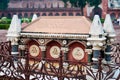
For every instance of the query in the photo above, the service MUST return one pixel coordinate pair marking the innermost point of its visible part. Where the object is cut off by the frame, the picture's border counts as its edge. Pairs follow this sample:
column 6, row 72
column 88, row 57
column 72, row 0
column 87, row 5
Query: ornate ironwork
column 115, row 53
column 26, row 68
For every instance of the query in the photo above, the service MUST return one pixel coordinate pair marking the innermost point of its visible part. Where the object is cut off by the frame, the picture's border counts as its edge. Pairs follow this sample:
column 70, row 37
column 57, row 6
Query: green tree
column 3, row 4
column 65, row 2
column 73, row 3
column 95, row 3
column 81, row 4
column 78, row 3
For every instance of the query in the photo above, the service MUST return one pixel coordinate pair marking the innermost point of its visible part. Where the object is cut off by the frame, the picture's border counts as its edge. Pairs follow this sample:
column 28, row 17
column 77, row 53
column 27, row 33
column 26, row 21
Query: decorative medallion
column 34, row 50
column 42, row 41
column 55, row 51
column 64, row 42
column 78, row 53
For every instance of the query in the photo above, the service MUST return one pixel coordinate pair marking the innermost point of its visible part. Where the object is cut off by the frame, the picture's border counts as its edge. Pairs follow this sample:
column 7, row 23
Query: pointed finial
column 96, row 27
column 34, row 17
column 15, row 27
column 108, row 26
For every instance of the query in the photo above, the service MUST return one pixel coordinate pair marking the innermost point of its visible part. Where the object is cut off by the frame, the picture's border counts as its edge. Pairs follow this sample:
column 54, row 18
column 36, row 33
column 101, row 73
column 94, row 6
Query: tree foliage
column 94, row 2
column 77, row 3
column 65, row 2
column 82, row 3
column 97, row 10
column 3, row 4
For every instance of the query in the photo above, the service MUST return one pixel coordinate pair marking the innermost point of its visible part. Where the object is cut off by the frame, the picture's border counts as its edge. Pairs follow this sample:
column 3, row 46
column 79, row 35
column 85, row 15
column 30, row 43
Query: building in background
column 114, row 8
column 26, row 8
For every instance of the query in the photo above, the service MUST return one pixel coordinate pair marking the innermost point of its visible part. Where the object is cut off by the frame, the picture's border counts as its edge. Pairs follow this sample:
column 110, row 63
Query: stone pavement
column 117, row 29
column 3, row 35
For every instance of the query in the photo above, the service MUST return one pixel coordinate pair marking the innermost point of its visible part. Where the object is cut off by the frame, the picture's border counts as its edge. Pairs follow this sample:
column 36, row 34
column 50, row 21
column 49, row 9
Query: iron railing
column 26, row 68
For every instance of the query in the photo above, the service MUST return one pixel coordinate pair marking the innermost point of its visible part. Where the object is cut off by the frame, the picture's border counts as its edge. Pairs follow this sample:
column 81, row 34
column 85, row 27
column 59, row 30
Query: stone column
column 108, row 53
column 22, row 50
column 110, row 36
column 89, row 52
column 97, row 47
column 43, row 50
column 13, row 35
column 96, row 39
column 97, row 44
column 96, row 52
column 14, row 44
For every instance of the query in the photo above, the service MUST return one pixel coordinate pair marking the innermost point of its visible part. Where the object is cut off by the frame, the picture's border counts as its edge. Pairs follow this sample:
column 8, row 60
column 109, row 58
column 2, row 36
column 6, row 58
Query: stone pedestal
column 108, row 53
column 96, row 55
column 97, row 43
column 14, row 44
column 89, row 52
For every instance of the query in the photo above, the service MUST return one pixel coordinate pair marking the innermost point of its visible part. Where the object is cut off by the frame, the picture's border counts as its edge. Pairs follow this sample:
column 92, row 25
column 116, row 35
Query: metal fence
column 26, row 68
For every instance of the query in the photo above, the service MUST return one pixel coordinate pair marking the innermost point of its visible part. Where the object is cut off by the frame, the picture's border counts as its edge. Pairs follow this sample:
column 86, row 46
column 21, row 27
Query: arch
column 57, row 14
column 14, row 13
column 79, row 42
column 78, row 14
column 49, row 41
column 26, row 15
column 113, row 16
column 72, row 48
column 63, row 14
column 38, row 14
column 29, row 40
column 70, row 14
column 44, row 14
column 50, row 14
column 49, row 46
column 20, row 15
column 53, row 42
column 33, row 44
column 9, row 15
column 31, row 15
column 51, row 5
column 2, row 15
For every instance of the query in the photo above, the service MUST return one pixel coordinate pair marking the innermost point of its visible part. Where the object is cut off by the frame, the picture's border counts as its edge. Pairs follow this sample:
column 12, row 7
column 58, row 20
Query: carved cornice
column 58, row 36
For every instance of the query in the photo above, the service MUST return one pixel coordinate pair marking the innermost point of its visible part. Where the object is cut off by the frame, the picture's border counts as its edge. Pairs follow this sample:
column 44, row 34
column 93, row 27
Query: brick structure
column 26, row 8
column 104, row 7
column 114, row 8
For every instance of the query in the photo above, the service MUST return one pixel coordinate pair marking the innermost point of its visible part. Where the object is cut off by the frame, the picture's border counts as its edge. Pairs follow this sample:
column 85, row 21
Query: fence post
column 27, row 74
column 99, row 66
column 10, row 47
column 60, row 77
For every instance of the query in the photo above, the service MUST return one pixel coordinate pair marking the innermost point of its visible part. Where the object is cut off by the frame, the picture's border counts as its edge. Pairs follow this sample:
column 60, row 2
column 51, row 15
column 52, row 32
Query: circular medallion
column 64, row 42
column 78, row 53
column 42, row 41
column 34, row 50
column 55, row 51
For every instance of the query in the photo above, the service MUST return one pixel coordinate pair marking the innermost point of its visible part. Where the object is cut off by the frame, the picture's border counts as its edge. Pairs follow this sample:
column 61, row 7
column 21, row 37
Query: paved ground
column 3, row 35
column 117, row 29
